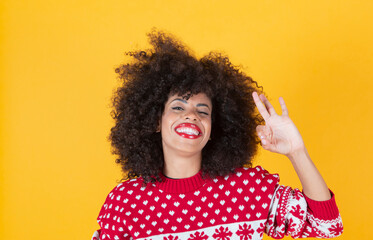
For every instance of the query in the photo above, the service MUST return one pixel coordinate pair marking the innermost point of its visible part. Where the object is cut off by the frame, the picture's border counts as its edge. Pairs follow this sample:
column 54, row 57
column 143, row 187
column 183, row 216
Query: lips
column 188, row 130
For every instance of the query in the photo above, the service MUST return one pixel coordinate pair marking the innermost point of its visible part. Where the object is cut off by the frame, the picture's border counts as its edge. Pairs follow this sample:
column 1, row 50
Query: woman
column 185, row 135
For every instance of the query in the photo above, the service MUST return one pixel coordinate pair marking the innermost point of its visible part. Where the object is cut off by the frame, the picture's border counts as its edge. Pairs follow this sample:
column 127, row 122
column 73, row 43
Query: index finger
column 262, row 109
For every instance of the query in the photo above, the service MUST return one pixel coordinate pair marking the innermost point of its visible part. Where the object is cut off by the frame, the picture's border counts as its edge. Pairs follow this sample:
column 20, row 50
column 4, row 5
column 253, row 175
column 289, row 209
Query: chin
column 187, row 147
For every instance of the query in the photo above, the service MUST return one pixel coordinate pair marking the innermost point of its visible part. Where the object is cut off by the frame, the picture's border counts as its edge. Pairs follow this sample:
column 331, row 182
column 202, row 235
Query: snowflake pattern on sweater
column 243, row 205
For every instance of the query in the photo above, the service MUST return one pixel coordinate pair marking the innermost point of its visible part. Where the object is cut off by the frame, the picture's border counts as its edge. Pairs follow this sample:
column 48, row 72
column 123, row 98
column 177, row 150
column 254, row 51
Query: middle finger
column 268, row 105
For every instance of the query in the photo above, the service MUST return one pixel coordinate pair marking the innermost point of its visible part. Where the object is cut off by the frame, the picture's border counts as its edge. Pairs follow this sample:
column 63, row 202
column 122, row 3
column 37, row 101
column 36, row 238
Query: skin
column 280, row 135
column 183, row 156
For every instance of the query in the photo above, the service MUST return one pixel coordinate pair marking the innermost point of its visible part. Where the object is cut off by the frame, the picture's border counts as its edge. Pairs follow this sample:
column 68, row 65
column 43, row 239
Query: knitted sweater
column 243, row 205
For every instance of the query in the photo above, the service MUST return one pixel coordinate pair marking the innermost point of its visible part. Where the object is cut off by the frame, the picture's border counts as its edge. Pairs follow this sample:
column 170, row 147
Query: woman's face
column 186, row 124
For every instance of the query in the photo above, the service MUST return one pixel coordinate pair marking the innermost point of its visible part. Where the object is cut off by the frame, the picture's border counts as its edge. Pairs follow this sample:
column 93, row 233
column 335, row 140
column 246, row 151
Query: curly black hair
column 170, row 68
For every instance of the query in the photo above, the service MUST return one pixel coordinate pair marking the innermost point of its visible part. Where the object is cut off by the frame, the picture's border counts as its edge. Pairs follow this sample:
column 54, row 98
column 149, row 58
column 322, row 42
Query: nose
column 190, row 115
column 194, row 119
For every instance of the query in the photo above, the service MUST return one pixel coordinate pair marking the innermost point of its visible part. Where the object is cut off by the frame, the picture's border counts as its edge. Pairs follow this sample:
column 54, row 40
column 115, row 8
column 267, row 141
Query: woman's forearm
column 313, row 184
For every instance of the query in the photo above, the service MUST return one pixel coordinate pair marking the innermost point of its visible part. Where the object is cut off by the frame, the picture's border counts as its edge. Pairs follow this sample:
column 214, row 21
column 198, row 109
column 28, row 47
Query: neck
column 178, row 165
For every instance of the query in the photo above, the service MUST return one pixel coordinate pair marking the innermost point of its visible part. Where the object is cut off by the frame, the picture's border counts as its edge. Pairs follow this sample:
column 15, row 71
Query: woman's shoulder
column 127, row 188
column 254, row 176
column 257, row 172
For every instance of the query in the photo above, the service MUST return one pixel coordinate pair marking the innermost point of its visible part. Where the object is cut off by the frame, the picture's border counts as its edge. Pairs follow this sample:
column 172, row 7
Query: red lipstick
column 188, row 130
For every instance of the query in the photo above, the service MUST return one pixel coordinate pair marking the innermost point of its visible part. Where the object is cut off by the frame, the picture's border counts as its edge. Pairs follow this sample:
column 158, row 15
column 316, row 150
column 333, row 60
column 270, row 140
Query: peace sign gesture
column 279, row 134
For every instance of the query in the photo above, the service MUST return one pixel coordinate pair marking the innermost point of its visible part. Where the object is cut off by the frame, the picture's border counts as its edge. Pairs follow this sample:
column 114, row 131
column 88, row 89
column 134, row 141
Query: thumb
column 263, row 132
column 264, row 135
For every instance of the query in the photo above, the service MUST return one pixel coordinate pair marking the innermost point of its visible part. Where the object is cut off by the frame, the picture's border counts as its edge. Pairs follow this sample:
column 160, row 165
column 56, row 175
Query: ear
column 158, row 127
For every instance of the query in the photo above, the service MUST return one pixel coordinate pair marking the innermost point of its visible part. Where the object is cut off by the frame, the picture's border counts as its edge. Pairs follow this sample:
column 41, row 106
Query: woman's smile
column 188, row 130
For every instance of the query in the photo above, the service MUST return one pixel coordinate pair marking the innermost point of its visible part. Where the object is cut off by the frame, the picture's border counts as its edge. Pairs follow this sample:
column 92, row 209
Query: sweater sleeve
column 111, row 219
column 292, row 213
column 96, row 235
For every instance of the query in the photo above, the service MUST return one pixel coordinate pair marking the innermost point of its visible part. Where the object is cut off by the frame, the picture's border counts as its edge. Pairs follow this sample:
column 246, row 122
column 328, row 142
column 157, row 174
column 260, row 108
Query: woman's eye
column 181, row 109
column 205, row 113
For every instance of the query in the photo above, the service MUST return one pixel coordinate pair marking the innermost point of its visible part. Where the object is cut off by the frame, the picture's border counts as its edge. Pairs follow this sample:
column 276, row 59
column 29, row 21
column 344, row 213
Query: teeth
column 189, row 131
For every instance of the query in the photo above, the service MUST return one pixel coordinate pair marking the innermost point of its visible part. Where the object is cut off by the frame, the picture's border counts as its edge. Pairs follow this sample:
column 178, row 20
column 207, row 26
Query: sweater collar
column 181, row 185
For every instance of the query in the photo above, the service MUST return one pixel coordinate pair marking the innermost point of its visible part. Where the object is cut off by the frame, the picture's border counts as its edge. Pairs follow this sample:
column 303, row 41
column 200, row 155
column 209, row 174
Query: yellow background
column 57, row 76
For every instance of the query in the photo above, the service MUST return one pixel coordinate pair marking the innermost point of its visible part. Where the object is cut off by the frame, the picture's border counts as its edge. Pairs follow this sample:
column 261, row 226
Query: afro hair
column 170, row 68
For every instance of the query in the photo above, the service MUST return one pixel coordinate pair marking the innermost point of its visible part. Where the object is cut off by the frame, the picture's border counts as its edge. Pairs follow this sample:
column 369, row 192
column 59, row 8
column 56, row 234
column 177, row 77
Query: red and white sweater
column 243, row 205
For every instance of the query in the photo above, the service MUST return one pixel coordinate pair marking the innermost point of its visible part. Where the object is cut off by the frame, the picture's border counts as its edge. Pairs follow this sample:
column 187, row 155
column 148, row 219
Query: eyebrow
column 184, row 101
